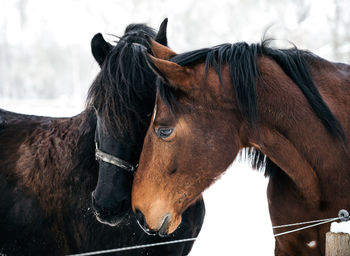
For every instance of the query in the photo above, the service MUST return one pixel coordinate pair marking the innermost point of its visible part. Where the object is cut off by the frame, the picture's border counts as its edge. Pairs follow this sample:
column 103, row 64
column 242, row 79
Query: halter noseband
column 100, row 155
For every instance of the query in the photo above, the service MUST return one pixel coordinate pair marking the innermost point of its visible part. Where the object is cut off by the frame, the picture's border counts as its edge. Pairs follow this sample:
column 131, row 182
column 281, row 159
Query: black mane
column 125, row 82
column 244, row 72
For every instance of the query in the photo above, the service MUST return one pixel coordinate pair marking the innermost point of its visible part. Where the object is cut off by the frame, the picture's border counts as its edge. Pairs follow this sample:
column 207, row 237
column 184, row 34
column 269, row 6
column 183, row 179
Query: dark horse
column 289, row 107
column 48, row 168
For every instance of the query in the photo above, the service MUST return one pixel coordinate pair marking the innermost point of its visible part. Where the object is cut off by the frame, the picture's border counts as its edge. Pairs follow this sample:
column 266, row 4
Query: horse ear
column 178, row 77
column 100, row 48
column 160, row 51
column 161, row 35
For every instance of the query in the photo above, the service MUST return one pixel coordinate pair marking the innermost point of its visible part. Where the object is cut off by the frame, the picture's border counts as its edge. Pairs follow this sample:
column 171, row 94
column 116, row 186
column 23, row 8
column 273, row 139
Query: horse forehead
column 161, row 111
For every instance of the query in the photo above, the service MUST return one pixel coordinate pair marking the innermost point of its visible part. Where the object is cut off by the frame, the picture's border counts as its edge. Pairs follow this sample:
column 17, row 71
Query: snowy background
column 46, row 68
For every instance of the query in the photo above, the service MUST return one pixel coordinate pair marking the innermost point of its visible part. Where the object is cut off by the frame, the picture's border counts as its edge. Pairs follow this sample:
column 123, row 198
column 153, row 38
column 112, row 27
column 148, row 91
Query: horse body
column 40, row 173
column 288, row 105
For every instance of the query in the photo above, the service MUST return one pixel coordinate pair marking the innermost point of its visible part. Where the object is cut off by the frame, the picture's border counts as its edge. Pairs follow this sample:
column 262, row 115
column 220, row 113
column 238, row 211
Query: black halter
column 105, row 157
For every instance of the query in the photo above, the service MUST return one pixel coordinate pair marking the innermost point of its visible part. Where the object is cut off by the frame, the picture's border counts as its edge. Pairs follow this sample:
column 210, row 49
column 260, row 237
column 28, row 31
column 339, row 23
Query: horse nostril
column 141, row 220
column 142, row 223
column 165, row 226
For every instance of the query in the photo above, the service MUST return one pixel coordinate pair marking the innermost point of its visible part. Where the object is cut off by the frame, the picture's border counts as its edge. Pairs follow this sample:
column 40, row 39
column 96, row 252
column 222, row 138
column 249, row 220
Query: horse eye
column 164, row 132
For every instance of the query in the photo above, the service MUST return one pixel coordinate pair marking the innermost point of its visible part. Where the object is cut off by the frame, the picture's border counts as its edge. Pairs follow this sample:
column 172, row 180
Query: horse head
column 123, row 95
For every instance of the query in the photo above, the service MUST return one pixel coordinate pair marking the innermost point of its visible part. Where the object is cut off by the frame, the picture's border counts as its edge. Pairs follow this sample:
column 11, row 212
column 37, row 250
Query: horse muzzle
column 111, row 216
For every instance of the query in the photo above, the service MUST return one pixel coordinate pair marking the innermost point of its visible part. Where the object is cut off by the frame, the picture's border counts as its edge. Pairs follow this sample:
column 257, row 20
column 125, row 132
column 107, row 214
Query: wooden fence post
column 337, row 244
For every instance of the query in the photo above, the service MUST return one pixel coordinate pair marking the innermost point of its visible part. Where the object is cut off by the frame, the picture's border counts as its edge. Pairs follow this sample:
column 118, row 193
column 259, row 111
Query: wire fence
column 343, row 215
column 135, row 247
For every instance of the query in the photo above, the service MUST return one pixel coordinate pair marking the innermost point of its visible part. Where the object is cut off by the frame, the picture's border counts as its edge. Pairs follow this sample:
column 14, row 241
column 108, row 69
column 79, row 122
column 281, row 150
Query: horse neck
column 291, row 134
column 283, row 108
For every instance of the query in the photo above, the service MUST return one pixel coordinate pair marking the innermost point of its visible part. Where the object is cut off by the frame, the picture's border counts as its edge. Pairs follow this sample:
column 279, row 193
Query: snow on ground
column 237, row 220
column 341, row 227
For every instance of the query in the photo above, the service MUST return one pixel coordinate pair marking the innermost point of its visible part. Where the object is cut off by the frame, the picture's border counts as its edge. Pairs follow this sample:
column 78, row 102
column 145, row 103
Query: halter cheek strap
column 100, row 155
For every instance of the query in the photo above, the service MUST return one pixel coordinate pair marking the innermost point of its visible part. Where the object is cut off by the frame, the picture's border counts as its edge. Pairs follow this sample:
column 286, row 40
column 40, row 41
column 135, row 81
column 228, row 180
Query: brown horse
column 288, row 108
